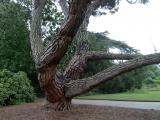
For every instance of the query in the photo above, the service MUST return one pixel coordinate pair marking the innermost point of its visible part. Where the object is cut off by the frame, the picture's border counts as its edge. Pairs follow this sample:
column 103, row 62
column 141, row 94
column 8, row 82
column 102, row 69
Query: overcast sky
column 138, row 25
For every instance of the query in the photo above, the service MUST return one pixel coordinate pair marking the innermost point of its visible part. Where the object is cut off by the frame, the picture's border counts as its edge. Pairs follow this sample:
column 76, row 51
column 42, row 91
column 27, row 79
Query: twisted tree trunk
column 59, row 87
column 49, row 78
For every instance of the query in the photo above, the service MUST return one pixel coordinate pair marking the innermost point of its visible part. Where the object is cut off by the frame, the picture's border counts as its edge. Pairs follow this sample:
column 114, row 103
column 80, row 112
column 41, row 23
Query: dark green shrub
column 15, row 88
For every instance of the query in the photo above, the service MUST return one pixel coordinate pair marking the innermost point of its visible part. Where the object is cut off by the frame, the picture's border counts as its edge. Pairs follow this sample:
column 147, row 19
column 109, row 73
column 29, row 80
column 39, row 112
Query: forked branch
column 58, row 48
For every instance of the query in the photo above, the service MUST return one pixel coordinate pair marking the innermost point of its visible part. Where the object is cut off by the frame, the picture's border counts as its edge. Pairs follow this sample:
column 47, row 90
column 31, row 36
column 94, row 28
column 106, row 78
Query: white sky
column 138, row 25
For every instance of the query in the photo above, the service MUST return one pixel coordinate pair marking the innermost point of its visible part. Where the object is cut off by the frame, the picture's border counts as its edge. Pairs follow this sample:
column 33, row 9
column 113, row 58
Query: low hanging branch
column 101, row 55
column 80, row 86
column 79, row 62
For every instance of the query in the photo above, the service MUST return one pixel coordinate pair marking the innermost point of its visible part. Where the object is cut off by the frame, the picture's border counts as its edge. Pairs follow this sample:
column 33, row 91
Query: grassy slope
column 139, row 96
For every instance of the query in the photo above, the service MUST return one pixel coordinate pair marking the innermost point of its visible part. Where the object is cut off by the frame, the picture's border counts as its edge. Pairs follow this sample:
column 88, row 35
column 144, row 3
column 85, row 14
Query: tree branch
column 35, row 34
column 94, row 55
column 58, row 47
column 79, row 62
column 80, row 86
column 82, row 34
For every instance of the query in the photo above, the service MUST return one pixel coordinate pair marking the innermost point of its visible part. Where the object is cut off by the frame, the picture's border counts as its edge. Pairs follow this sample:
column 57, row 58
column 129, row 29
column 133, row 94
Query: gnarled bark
column 54, row 90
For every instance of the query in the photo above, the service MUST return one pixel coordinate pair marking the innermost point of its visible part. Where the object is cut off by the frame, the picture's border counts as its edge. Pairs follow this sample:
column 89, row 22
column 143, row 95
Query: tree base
column 62, row 105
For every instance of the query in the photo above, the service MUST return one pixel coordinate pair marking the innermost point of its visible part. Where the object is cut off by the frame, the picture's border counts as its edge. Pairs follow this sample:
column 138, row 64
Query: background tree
column 14, row 38
column 60, row 88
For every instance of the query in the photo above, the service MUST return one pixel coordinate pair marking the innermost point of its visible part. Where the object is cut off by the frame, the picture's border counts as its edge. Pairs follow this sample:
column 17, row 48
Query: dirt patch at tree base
column 36, row 111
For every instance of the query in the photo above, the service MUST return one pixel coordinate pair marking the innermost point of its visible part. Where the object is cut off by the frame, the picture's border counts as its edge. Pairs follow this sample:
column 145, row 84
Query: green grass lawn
column 138, row 96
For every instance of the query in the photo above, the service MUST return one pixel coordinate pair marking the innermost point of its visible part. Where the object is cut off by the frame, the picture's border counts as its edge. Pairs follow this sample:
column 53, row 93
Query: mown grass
column 137, row 96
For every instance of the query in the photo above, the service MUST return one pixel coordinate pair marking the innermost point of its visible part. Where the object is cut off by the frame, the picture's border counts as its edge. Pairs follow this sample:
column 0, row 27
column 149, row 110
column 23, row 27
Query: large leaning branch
column 56, row 50
column 77, row 64
column 80, row 86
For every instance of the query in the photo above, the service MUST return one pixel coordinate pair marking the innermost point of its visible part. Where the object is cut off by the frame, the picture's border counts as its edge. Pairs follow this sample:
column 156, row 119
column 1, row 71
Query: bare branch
column 79, row 62
column 80, row 86
column 94, row 55
column 35, row 34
